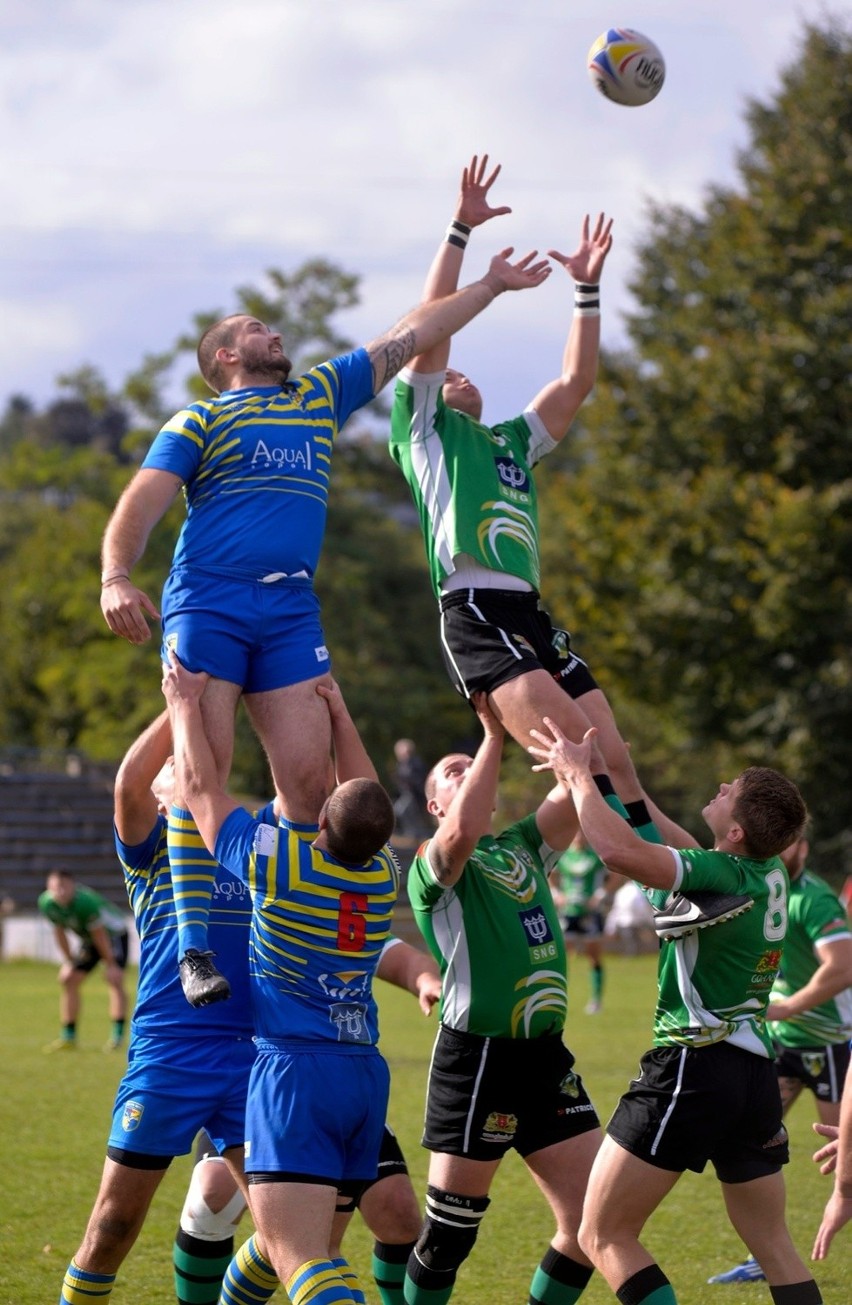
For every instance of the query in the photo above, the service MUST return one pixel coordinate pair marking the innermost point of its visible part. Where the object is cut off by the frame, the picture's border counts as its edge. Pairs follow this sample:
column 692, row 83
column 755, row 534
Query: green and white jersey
column 85, row 910
column 471, row 483
column 581, row 873
column 496, row 936
column 715, row 983
column 815, row 917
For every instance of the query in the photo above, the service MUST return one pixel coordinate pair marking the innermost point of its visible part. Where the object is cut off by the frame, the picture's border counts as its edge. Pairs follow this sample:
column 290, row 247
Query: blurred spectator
column 412, row 818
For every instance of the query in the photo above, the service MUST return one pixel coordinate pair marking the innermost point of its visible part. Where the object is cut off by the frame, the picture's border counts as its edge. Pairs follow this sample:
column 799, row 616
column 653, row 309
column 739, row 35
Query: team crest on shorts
column 814, row 1062
column 569, row 1087
column 499, row 1127
column 132, row 1116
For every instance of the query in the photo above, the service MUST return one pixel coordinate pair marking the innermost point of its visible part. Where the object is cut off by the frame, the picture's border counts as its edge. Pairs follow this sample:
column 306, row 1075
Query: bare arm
column 471, row 210
column 605, row 830
column 833, row 974
column 196, row 773
column 135, row 804
column 352, row 760
column 838, row 1210
column 469, row 814
column 670, row 832
column 62, row 943
column 143, row 503
column 558, row 403
column 557, row 818
column 412, row 969
column 431, row 324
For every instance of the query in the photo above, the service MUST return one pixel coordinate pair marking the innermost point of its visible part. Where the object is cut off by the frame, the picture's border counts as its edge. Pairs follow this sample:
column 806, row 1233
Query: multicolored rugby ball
column 626, row 67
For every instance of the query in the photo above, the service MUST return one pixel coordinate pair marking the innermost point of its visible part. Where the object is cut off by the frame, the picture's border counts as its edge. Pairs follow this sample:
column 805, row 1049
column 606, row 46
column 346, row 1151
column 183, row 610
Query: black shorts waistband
column 519, row 597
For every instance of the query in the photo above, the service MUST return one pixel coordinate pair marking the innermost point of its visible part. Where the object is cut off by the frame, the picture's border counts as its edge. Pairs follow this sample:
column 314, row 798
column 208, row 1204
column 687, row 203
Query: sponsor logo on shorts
column 321, row 653
column 499, row 1127
column 350, row 1020
column 132, row 1116
column 512, row 476
column 539, row 933
column 171, row 641
column 778, row 1139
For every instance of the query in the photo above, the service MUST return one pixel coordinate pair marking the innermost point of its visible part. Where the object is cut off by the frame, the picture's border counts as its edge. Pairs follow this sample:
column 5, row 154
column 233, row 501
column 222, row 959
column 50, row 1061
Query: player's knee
column 391, row 1211
column 214, row 1202
column 450, row 1229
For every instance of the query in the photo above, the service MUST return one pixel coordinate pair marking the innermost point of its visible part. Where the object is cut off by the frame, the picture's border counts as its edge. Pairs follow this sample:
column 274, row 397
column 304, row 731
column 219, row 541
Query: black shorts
column 491, row 636
column 588, row 925
column 88, row 956
column 488, row 1095
column 694, row 1104
column 821, row 1069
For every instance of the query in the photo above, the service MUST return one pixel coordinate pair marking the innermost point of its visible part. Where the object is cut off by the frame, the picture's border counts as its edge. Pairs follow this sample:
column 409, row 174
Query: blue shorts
column 316, row 1113
column 258, row 635
column 161, row 1105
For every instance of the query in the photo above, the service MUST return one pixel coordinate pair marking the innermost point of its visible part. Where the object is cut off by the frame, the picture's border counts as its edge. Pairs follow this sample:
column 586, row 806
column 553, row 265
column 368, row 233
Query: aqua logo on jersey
column 539, row 933
column 512, row 476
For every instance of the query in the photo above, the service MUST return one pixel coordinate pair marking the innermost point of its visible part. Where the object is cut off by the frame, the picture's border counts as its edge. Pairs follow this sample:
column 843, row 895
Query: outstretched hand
column 586, row 263
column 556, row 752
column 472, row 206
column 522, row 275
column 826, row 1156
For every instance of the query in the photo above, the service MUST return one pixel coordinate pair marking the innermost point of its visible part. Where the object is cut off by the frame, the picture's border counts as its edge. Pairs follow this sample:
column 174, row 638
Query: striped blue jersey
column 255, row 465
column 161, row 1007
column 318, row 930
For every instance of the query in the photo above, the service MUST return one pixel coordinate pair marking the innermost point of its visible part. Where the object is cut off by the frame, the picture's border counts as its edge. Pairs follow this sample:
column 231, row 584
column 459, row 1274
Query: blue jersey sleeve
column 237, row 840
column 179, row 446
column 354, row 373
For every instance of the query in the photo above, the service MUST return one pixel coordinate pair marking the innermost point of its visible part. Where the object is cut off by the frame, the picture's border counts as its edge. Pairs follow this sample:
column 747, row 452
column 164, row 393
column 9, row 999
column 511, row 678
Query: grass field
column 56, row 1112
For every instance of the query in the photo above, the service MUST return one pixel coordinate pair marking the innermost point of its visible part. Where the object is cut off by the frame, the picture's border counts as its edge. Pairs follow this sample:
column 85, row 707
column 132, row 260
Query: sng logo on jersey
column 349, row 1018
column 132, row 1116
column 512, row 476
column 539, row 934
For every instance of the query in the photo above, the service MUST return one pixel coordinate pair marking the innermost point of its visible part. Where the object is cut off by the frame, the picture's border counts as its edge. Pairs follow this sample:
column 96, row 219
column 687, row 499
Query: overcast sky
column 158, row 153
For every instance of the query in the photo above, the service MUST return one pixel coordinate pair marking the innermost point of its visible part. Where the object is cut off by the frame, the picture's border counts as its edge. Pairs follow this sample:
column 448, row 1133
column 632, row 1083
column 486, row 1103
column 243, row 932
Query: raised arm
column 558, row 403
column 196, row 773
column 142, row 504
column 351, row 758
column 606, row 831
column 468, row 815
column 135, row 804
column 431, row 324
column 471, row 210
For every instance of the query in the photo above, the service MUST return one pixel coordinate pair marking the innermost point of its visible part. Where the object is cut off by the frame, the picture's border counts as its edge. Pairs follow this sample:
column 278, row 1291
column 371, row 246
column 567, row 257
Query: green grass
column 56, row 1112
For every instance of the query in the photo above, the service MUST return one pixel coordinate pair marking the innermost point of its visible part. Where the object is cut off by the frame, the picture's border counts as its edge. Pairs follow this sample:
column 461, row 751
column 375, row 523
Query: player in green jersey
column 501, row 1077
column 810, row 1006
column 476, row 496
column 708, row 1089
column 101, row 929
column 582, row 887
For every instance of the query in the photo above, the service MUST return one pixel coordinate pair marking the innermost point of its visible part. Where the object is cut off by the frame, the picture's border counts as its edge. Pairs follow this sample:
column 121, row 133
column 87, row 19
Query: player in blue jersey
column 186, row 1069
column 239, row 602
column 708, row 1090
column 321, row 915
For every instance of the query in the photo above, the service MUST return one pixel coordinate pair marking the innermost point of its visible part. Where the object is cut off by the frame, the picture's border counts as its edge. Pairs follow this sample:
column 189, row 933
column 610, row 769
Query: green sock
column 558, row 1280
column 640, row 819
column 388, row 1264
column 118, row 1030
column 597, row 977
column 199, row 1268
column 649, row 1286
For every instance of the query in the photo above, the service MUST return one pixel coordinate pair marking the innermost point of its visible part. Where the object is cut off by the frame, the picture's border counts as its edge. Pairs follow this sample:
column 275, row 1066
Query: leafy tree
column 708, row 497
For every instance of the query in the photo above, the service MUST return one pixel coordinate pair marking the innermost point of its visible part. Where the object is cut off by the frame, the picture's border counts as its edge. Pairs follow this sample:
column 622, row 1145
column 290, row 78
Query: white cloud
column 169, row 150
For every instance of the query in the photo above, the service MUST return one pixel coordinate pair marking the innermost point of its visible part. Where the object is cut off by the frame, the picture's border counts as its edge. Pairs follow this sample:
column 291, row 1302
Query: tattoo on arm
column 389, row 354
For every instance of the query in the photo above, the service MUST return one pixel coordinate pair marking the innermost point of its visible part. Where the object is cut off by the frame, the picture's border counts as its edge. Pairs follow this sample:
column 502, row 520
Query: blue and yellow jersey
column 255, row 465
column 161, row 1007
column 318, row 930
